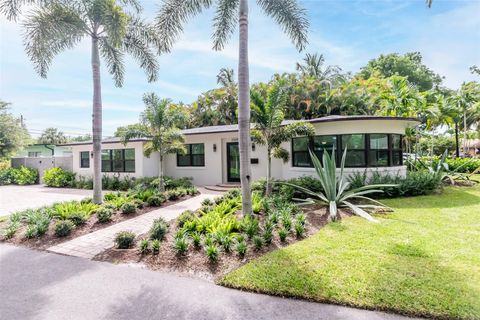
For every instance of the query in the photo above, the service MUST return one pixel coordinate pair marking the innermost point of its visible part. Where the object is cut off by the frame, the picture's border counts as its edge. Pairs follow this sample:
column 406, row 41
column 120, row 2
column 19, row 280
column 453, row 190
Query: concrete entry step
column 229, row 185
column 223, row 187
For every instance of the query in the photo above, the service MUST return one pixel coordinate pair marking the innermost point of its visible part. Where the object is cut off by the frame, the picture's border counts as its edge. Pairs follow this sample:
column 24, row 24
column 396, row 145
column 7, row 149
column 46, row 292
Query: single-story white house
column 373, row 142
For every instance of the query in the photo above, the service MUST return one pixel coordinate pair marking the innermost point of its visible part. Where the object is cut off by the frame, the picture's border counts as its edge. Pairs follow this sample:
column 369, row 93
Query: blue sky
column 348, row 33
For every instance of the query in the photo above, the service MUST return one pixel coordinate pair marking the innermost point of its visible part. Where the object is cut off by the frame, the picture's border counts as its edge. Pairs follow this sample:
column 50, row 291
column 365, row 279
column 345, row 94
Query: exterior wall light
column 214, row 147
column 253, row 146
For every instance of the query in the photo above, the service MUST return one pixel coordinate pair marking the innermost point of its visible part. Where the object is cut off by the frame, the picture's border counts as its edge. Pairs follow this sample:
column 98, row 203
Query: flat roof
column 234, row 127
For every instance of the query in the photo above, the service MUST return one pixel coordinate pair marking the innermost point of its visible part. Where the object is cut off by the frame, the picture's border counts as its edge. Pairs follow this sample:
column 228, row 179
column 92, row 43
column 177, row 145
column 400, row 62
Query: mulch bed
column 195, row 263
column 50, row 239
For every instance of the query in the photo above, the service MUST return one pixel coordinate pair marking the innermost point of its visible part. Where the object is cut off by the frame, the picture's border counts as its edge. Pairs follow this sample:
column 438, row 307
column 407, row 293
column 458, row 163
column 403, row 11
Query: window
column 84, row 159
column 118, row 160
column 364, row 150
column 300, row 154
column 34, row 154
column 355, row 144
column 397, row 153
column 378, row 153
column 193, row 157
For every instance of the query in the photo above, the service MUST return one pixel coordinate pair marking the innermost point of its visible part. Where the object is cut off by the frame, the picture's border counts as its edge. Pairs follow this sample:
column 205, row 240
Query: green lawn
column 423, row 259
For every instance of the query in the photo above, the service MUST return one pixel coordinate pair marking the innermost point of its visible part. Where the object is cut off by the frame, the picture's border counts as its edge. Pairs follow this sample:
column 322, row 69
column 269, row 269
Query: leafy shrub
column 138, row 203
column 144, row 246
column 257, row 202
column 186, row 216
column 6, row 176
column 104, row 214
column 58, row 177
column 286, row 220
column 63, row 228
column 82, row 182
column 65, row 210
column 268, row 236
column 211, row 252
column 181, row 244
column 301, row 218
column 283, row 233
column 172, row 195
column 10, row 230
column 207, row 202
column 227, row 242
column 299, row 230
column 156, row 200
column 196, row 239
column 143, row 195
column 221, row 218
column 159, row 229
column 250, row 226
column 116, row 199
column 209, row 240
column 241, row 248
column 128, row 208
column 258, row 242
column 30, row 232
column 176, row 183
column 24, row 175
column 125, row 239
column 79, row 218
column 233, row 193
column 155, row 246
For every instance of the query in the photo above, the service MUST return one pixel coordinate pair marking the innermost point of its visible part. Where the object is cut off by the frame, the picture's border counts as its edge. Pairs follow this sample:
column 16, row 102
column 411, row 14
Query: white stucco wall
column 140, row 160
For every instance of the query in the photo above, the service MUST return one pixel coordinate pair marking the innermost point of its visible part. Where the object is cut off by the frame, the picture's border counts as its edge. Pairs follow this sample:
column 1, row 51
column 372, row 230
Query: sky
column 347, row 32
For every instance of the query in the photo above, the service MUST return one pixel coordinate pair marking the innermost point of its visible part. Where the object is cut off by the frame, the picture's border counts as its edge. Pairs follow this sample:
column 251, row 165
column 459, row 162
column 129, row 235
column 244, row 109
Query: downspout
column 51, row 149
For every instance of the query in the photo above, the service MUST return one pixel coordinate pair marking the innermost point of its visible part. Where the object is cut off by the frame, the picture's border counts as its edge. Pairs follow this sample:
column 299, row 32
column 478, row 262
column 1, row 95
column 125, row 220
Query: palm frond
column 171, row 17
column 291, row 17
column 281, row 153
column 50, row 30
column 114, row 60
column 224, row 22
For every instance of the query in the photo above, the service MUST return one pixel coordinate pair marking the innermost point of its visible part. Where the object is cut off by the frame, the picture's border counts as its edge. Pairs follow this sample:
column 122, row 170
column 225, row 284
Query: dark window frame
column 190, row 156
column 87, row 159
column 366, row 150
column 111, row 161
column 389, row 150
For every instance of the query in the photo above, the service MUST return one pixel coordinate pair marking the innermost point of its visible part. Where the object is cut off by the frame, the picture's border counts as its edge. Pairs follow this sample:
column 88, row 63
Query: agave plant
column 336, row 193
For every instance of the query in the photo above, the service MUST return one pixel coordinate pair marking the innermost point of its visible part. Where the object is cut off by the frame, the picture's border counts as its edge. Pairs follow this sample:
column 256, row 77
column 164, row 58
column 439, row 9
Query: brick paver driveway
column 14, row 198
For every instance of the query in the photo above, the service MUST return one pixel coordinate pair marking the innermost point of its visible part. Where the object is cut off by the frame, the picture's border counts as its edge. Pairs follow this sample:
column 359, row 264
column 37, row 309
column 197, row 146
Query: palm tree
column 467, row 100
column 55, row 26
column 228, row 95
column 401, row 98
column 313, row 66
column 268, row 115
column 160, row 123
column 52, row 136
column 287, row 13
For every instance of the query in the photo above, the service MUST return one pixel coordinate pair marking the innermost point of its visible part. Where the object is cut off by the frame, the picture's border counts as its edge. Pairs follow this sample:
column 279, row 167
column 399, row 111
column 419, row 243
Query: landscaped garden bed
column 44, row 227
column 219, row 227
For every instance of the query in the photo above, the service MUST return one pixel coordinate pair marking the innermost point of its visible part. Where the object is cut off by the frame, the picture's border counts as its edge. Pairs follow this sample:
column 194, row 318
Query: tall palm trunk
column 457, row 148
column 96, row 123
column 268, row 189
column 244, row 110
column 465, row 151
column 161, row 182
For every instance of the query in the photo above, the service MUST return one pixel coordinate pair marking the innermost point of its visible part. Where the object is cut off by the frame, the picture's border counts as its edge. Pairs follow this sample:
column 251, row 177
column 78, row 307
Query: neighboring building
column 374, row 143
column 38, row 150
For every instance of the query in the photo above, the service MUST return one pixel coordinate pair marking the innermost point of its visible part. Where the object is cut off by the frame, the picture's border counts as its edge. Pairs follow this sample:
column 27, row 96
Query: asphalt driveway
column 15, row 198
column 38, row 285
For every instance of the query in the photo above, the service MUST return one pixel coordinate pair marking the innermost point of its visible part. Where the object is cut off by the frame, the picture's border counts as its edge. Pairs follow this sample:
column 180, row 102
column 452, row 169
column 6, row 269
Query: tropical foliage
column 13, row 134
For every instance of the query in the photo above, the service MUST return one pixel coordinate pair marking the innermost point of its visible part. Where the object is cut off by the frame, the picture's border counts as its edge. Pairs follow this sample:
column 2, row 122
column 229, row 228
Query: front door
column 233, row 162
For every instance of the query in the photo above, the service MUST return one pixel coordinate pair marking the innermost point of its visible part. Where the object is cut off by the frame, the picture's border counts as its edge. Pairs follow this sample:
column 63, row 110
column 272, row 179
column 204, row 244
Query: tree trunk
column 161, row 180
column 244, row 110
column 457, row 147
column 268, row 189
column 465, row 151
column 96, row 124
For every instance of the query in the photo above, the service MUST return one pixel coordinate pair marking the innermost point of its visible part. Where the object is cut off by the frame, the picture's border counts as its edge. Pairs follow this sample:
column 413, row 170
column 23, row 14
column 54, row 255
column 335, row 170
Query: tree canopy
column 52, row 136
column 13, row 133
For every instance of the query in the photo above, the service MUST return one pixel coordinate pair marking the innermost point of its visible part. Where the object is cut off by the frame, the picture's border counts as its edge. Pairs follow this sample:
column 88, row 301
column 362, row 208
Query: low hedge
column 21, row 176
column 58, row 177
column 461, row 165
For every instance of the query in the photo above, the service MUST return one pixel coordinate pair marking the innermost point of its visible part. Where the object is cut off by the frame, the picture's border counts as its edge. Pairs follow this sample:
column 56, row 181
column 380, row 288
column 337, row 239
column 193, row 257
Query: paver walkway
column 89, row 245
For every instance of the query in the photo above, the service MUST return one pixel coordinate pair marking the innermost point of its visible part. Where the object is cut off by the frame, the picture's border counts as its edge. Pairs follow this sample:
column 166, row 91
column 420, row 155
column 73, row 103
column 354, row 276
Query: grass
column 423, row 260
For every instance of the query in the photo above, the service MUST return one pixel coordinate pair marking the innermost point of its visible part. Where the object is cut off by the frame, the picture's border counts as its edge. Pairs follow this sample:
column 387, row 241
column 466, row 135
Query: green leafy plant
column 283, row 233
column 58, row 177
column 268, row 235
column 299, row 230
column 336, row 193
column 30, row 232
column 301, row 219
column 241, row 248
column 128, row 208
column 138, row 203
column 104, row 214
column 67, row 210
column 144, row 246
column 286, row 220
column 24, row 175
column 207, row 202
column 257, row 202
column 125, row 239
column 159, row 229
column 79, row 217
column 227, row 242
column 11, row 229
column 258, row 242
column 250, row 226
column 155, row 246
column 196, row 239
column 211, row 251
column 63, row 228
column 186, row 216
column 181, row 244
column 156, row 200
